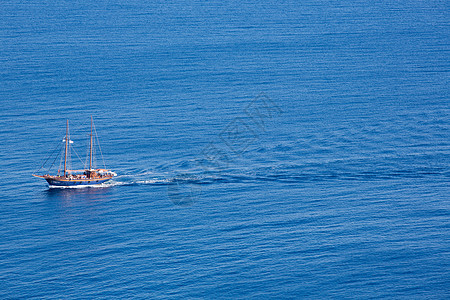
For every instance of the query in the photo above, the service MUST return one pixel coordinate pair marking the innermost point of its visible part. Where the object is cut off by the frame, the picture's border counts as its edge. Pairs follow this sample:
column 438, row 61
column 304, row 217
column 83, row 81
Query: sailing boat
column 74, row 178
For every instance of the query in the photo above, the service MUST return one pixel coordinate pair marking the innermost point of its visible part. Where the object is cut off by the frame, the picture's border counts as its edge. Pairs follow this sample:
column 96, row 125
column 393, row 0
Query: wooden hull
column 56, row 181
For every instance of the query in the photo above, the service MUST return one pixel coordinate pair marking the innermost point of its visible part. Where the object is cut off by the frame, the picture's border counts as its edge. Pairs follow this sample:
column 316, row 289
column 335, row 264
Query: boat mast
column 90, row 148
column 67, row 142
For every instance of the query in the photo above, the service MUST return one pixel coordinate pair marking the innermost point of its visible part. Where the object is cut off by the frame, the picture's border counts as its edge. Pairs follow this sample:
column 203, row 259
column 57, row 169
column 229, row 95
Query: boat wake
column 282, row 174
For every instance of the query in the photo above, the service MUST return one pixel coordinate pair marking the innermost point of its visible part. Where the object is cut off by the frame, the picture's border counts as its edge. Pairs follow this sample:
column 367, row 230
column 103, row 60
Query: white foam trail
column 152, row 181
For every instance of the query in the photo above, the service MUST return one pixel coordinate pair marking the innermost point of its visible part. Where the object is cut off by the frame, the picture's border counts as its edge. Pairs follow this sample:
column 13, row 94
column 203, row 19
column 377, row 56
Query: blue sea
column 264, row 150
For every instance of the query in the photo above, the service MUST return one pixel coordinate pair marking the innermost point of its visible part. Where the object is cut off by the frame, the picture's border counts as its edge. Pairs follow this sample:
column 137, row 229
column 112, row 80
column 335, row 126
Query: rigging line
column 51, row 154
column 55, row 160
column 61, row 161
column 69, row 157
column 100, row 148
column 87, row 157
column 73, row 148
